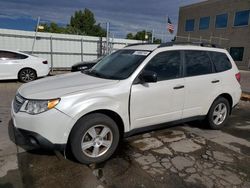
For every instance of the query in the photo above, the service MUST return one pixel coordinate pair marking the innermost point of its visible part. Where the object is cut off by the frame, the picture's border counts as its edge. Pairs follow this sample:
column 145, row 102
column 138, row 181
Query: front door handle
column 215, row 81
column 179, row 87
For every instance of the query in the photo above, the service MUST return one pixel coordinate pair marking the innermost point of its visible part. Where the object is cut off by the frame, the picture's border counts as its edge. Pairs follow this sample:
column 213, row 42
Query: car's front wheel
column 218, row 113
column 94, row 138
column 27, row 75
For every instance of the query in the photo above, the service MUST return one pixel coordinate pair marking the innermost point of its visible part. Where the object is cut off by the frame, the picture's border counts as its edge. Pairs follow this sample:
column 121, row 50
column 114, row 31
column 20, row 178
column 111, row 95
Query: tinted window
column 221, row 61
column 197, row 63
column 221, row 21
column 166, row 65
column 241, row 18
column 204, row 23
column 5, row 55
column 189, row 25
column 237, row 53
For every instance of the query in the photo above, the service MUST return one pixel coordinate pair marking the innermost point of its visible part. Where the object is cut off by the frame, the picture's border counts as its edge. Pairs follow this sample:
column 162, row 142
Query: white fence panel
column 61, row 50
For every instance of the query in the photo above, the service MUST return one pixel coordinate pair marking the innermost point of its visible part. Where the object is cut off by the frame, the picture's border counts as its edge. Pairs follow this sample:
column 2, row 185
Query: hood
column 57, row 86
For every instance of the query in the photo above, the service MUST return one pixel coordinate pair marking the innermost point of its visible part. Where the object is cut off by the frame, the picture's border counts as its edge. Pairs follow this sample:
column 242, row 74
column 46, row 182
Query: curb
column 245, row 96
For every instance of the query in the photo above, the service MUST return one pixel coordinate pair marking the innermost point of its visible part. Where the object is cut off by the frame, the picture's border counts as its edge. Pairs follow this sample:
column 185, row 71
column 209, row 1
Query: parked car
column 81, row 66
column 18, row 65
column 138, row 88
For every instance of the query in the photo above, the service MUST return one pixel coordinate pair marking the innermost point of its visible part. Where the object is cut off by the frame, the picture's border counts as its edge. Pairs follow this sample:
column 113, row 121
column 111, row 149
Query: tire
column 27, row 75
column 218, row 113
column 91, row 132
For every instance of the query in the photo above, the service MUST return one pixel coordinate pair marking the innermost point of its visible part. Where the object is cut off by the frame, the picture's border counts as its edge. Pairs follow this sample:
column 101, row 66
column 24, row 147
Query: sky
column 125, row 16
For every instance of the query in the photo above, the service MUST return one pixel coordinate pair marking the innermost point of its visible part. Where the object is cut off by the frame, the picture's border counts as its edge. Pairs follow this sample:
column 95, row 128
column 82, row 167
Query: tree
column 143, row 35
column 81, row 23
column 130, row 36
column 85, row 22
column 53, row 28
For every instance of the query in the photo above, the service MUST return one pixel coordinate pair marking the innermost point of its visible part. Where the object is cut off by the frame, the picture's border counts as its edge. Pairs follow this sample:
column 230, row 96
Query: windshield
column 119, row 65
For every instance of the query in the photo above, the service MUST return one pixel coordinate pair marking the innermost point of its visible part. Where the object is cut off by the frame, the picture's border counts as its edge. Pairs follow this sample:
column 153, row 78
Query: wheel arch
column 26, row 68
column 113, row 115
column 228, row 97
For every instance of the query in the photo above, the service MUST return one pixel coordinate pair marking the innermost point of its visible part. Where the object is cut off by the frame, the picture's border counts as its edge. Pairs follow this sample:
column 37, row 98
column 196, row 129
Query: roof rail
column 188, row 43
column 135, row 44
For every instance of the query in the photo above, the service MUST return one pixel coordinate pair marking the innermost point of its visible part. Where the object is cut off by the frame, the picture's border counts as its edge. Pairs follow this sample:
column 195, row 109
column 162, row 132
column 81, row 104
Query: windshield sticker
column 143, row 53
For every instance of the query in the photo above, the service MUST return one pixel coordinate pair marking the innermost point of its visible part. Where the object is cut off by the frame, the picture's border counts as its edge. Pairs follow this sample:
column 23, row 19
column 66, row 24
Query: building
column 222, row 22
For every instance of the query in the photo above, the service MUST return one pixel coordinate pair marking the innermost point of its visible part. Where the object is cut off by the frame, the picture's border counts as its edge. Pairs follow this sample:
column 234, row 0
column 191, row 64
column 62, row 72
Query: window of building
column 189, row 25
column 237, row 53
column 241, row 18
column 220, row 61
column 221, row 21
column 204, row 23
column 167, row 65
column 197, row 63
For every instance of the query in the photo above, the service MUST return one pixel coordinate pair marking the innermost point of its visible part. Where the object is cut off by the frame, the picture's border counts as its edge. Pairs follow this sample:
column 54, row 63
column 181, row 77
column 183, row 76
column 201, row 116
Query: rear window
column 221, row 61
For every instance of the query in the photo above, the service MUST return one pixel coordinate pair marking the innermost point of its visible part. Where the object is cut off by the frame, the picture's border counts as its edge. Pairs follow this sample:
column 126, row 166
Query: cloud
column 125, row 16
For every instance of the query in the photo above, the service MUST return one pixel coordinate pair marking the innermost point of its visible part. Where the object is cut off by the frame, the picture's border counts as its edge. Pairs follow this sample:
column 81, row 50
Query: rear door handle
column 215, row 81
column 179, row 87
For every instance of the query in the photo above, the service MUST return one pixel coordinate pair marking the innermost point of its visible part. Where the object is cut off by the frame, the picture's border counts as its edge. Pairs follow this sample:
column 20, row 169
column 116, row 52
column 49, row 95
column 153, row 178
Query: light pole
column 33, row 45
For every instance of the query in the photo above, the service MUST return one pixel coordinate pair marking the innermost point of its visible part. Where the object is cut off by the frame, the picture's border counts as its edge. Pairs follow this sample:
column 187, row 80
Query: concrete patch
column 180, row 162
column 147, row 143
column 146, row 159
column 185, row 146
column 196, row 178
column 221, row 138
column 227, row 176
column 164, row 151
column 172, row 136
column 222, row 157
column 7, row 163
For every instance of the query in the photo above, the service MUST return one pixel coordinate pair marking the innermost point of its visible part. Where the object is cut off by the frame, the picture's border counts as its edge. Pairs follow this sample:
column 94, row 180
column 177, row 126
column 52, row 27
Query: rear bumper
column 38, row 141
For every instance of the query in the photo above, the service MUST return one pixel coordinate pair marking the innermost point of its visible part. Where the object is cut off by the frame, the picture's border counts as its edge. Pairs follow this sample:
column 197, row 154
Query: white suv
column 137, row 88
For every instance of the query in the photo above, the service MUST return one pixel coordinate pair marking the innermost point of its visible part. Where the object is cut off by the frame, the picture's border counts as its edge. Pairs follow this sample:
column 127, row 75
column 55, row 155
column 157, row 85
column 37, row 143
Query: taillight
column 45, row 62
column 237, row 76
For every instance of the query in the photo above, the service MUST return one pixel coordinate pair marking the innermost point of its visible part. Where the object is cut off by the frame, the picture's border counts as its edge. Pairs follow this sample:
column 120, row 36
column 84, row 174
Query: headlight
column 39, row 106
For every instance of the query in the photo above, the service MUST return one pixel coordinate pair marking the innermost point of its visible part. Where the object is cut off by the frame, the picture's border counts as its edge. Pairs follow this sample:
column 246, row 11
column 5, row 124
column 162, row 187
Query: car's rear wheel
column 27, row 75
column 94, row 138
column 218, row 113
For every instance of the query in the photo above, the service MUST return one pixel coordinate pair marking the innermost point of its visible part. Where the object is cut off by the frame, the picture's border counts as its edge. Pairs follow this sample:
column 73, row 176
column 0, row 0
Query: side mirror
column 148, row 76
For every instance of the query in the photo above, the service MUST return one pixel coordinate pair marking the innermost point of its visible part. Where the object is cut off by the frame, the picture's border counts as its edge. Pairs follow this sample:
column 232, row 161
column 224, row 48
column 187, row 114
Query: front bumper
column 36, row 140
column 49, row 129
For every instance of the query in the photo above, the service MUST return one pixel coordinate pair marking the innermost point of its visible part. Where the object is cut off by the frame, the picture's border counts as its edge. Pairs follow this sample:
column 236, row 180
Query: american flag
column 170, row 26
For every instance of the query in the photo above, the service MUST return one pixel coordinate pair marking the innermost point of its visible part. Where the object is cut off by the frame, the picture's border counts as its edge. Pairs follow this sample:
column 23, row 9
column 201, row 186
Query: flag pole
column 166, row 28
column 33, row 45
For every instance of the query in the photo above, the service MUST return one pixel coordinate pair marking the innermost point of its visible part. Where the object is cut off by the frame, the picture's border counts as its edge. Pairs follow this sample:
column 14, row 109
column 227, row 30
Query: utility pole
column 33, row 45
column 107, row 38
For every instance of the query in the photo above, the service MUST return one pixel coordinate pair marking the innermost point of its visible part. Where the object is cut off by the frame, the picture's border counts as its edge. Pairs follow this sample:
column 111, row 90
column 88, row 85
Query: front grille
column 18, row 102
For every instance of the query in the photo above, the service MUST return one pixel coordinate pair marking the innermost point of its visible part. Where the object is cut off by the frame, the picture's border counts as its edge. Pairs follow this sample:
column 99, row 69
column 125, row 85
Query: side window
column 221, row 61
column 167, row 65
column 197, row 63
column 5, row 55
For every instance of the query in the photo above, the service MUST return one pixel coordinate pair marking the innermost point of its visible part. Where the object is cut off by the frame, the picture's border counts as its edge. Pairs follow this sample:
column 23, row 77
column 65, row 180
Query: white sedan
column 25, row 67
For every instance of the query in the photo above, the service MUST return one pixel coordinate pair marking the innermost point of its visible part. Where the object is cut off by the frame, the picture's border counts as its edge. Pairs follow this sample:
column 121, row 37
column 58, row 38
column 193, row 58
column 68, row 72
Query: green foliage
column 81, row 23
column 141, row 35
